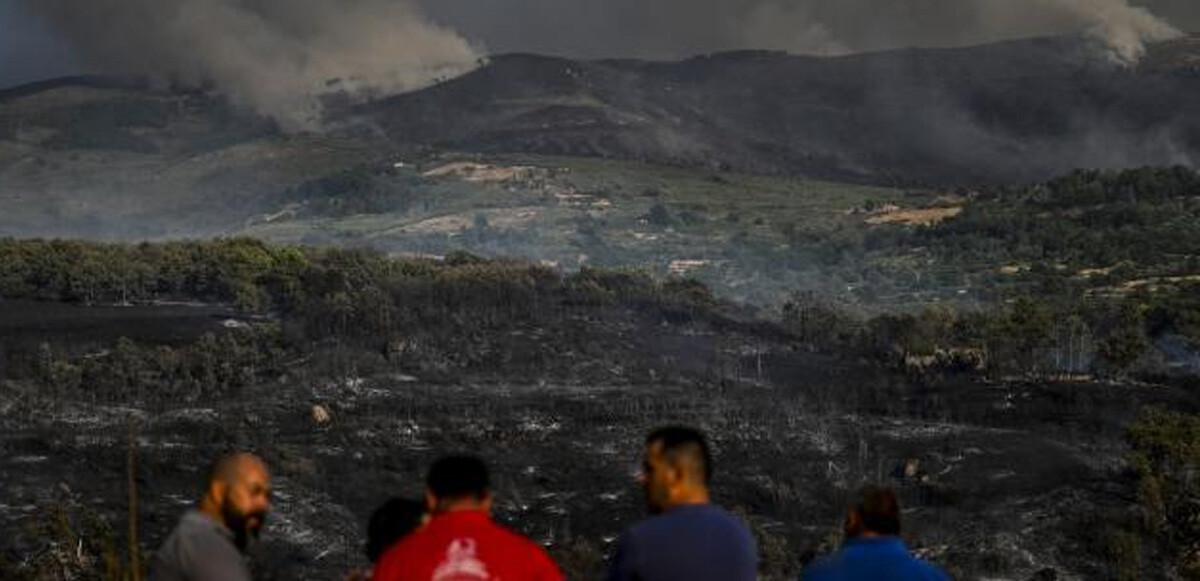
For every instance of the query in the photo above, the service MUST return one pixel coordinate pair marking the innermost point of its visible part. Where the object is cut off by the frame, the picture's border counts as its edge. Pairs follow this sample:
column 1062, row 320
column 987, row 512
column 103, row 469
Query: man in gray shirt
column 209, row 541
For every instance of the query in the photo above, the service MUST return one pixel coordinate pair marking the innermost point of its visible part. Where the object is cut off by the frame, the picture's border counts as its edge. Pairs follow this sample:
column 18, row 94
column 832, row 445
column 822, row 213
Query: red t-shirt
column 465, row 546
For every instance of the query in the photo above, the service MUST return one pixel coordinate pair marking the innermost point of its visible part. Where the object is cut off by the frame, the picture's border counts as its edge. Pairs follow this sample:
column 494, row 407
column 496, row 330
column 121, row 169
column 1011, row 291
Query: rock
column 321, row 415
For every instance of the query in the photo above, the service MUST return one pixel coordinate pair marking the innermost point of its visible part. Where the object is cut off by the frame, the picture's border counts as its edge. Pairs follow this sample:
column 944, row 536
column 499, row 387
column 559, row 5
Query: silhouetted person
column 461, row 542
column 210, row 540
column 873, row 549
column 689, row 537
column 391, row 522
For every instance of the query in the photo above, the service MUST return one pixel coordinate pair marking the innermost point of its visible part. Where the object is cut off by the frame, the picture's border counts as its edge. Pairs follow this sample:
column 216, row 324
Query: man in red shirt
column 461, row 542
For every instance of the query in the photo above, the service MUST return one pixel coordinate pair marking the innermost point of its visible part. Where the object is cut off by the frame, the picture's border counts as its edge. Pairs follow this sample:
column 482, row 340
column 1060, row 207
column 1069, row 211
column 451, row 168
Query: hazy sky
column 425, row 37
column 27, row 49
column 675, row 28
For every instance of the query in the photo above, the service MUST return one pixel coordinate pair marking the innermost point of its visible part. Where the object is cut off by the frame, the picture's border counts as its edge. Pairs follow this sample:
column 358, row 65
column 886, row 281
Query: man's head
column 458, row 483
column 238, row 494
column 676, row 468
column 877, row 513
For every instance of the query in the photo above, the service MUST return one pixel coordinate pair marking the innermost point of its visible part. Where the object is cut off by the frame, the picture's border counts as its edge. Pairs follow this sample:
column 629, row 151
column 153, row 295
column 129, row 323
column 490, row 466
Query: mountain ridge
column 1011, row 111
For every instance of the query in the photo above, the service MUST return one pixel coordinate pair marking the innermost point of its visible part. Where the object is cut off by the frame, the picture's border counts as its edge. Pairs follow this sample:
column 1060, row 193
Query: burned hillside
column 349, row 371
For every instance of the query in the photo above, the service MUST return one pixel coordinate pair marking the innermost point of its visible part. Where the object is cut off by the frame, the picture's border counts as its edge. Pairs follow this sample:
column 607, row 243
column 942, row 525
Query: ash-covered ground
column 999, row 479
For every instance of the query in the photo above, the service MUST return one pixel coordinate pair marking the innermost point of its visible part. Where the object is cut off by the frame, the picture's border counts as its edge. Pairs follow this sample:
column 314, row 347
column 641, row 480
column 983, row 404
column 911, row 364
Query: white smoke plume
column 279, row 56
column 274, row 56
column 1124, row 29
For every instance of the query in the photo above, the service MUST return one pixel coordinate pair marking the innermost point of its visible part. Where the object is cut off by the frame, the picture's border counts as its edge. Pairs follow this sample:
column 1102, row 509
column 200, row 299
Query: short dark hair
column 459, row 476
column 879, row 510
column 683, row 445
column 392, row 521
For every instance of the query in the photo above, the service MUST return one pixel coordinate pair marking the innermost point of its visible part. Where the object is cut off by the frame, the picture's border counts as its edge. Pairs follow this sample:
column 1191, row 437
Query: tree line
column 1028, row 336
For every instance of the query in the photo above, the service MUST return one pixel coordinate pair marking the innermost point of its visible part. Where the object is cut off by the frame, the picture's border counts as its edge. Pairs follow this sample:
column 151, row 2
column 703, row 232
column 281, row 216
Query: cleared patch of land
column 916, row 217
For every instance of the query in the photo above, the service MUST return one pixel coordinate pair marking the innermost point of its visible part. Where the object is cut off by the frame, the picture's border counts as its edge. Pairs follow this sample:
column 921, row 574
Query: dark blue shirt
column 874, row 558
column 693, row 542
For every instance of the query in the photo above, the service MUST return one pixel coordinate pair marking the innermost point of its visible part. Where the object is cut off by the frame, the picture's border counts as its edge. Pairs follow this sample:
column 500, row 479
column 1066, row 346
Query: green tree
column 1166, row 457
column 1125, row 341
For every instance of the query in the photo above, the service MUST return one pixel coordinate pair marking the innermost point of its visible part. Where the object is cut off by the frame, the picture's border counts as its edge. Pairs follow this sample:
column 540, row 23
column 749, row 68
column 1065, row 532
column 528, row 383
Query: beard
column 246, row 526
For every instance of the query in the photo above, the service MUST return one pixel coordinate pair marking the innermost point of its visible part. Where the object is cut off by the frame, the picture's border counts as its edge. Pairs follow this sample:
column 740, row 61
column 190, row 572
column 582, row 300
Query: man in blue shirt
column 689, row 537
column 873, row 549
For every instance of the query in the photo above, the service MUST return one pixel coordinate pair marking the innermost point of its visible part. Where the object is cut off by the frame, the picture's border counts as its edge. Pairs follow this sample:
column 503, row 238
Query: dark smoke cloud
column 677, row 28
column 275, row 56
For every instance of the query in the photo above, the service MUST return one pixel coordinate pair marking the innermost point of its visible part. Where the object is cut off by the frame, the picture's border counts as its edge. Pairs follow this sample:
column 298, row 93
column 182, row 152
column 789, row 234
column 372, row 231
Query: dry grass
column 482, row 173
column 917, row 217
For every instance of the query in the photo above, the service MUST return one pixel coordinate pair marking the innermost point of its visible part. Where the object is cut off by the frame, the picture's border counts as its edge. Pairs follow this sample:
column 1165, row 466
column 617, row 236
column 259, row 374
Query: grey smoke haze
column 274, row 56
column 28, row 51
column 677, row 28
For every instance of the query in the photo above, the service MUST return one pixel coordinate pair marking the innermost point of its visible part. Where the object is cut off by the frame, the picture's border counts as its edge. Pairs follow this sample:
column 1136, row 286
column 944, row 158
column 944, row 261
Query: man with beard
column 688, row 537
column 210, row 540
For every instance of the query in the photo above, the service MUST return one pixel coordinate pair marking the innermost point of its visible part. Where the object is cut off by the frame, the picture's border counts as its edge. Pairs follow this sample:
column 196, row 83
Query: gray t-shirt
column 199, row 549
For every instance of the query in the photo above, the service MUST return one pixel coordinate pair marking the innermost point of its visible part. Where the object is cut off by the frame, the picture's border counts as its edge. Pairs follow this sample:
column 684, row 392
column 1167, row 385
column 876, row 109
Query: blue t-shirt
column 698, row 542
column 873, row 558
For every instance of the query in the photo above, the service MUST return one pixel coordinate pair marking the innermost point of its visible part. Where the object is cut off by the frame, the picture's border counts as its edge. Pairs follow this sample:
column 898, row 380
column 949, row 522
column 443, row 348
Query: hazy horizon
column 45, row 40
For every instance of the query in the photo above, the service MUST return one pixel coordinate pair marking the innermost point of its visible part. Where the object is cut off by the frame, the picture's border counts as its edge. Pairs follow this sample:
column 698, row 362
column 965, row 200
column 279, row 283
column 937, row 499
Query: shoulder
column 721, row 519
column 710, row 522
column 201, row 552
column 643, row 527
column 204, row 541
column 646, row 531
column 388, row 565
column 405, row 548
column 540, row 563
column 736, row 523
column 402, row 556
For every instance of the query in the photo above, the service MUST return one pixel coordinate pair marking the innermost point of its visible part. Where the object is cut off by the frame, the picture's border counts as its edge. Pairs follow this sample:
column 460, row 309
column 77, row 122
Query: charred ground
column 555, row 379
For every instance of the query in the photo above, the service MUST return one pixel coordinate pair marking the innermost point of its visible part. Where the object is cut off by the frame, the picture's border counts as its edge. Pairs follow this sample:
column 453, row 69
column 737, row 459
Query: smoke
column 274, row 56
column 279, row 56
column 680, row 28
column 1123, row 28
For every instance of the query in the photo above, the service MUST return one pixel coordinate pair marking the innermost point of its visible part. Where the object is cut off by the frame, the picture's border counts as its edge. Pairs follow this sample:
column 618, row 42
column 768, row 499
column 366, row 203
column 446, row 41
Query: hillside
column 105, row 159
column 1013, row 111
column 759, row 239
column 1022, row 110
column 555, row 379
column 968, row 273
column 753, row 238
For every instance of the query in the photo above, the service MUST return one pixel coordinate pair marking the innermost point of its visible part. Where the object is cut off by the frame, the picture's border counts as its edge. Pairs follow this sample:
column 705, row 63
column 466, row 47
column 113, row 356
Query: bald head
column 228, row 468
column 238, row 494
